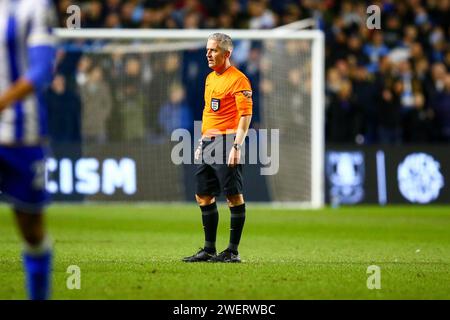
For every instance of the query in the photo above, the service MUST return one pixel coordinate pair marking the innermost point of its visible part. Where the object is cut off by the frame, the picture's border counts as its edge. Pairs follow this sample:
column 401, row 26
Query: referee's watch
column 237, row 146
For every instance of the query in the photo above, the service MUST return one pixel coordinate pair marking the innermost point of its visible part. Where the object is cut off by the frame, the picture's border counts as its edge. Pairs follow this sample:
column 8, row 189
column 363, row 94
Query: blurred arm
column 19, row 90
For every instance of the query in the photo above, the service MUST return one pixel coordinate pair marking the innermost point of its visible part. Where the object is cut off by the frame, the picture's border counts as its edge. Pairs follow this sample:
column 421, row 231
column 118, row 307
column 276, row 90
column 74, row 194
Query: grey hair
column 223, row 40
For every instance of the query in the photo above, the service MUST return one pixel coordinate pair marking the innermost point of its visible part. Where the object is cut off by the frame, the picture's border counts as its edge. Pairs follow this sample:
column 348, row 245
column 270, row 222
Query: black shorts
column 213, row 176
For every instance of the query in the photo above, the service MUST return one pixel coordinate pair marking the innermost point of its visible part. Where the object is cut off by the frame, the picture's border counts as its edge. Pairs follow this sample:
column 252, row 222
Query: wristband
column 237, row 146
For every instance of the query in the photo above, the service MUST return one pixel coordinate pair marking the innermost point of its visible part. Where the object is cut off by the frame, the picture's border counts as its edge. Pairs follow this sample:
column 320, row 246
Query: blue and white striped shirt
column 26, row 50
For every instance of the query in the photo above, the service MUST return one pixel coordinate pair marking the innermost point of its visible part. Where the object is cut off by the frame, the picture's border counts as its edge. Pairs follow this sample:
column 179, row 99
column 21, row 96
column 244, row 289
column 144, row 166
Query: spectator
column 153, row 18
column 94, row 15
column 260, row 16
column 389, row 112
column 354, row 49
column 168, row 70
column 435, row 85
column 365, row 95
column 84, row 66
column 191, row 20
column 64, row 109
column 131, row 103
column 112, row 6
column 189, row 7
column 342, row 114
column 252, row 69
column 194, row 69
column 421, row 70
column 126, row 14
column 437, row 43
column 392, row 31
column 291, row 13
column 375, row 50
column 350, row 16
column 225, row 21
column 175, row 113
column 112, row 21
column 442, row 109
column 410, row 36
column 412, row 103
column 333, row 82
column 97, row 105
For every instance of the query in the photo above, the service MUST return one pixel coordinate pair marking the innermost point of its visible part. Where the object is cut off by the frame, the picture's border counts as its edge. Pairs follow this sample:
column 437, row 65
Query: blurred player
column 226, row 117
column 26, row 66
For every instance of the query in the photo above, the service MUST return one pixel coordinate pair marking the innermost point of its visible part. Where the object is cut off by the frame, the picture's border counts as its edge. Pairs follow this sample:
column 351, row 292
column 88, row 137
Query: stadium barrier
column 121, row 173
column 378, row 174
column 407, row 174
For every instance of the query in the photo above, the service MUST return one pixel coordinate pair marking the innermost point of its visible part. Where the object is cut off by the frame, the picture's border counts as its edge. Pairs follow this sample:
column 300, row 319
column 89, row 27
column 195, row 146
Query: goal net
column 135, row 87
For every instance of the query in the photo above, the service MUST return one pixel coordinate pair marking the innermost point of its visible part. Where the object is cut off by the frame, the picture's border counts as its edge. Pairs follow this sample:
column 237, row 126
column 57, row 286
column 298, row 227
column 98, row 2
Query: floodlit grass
column 134, row 252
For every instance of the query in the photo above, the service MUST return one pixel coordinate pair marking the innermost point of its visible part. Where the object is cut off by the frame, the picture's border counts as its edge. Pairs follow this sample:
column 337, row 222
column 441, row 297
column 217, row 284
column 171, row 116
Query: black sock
column 236, row 226
column 210, row 219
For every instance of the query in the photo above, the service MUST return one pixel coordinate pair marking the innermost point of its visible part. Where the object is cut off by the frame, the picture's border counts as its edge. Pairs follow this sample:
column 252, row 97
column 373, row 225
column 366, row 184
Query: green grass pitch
column 134, row 252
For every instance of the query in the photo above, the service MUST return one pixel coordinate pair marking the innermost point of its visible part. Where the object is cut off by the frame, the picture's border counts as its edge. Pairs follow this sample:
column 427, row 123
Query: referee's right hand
column 198, row 152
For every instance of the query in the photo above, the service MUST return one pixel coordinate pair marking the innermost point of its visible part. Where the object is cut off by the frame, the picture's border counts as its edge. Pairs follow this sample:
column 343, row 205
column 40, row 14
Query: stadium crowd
column 390, row 85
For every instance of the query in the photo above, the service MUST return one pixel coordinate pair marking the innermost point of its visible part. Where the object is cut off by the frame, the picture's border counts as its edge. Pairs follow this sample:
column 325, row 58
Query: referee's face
column 215, row 55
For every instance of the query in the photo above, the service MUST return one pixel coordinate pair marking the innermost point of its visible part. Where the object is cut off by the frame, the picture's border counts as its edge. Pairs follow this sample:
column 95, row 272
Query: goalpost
column 290, row 93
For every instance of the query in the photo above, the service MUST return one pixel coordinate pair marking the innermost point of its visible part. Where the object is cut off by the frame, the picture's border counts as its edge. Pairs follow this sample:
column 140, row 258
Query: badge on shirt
column 215, row 104
column 247, row 94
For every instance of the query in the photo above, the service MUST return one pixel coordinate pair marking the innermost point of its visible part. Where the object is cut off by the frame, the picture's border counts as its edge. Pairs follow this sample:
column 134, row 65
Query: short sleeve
column 241, row 84
column 242, row 92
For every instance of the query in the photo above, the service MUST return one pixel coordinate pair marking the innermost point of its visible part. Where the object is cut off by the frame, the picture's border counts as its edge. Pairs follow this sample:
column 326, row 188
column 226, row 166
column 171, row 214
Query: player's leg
column 206, row 190
column 37, row 254
column 31, row 227
column 210, row 220
column 237, row 220
column 232, row 180
column 23, row 181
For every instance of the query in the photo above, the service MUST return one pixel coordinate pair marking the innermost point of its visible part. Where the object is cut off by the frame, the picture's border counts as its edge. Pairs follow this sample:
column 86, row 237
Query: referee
column 226, row 118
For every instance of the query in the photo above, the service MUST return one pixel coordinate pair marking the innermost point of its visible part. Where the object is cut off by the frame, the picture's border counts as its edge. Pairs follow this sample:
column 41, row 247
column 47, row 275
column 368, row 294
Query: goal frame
column 317, row 77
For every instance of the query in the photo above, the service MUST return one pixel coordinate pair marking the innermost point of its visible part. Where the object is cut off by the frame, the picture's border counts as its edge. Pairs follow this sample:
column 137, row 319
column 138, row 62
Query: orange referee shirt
column 228, row 97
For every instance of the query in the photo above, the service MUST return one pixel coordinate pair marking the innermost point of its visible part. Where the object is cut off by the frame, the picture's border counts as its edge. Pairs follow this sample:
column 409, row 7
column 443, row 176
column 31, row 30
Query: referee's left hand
column 234, row 157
